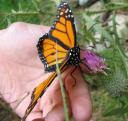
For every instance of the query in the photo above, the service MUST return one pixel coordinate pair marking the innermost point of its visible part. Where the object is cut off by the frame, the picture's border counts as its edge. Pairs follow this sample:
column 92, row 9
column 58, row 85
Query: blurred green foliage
column 31, row 11
column 109, row 93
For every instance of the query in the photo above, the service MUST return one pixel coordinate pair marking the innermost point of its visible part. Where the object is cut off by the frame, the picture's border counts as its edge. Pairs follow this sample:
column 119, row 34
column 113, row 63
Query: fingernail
column 38, row 119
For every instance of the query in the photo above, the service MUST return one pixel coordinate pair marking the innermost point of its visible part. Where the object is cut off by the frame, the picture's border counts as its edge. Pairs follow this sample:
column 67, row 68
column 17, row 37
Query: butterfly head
column 74, row 56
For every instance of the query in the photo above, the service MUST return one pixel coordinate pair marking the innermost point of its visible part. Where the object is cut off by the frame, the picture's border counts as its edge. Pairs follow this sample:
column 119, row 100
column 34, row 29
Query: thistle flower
column 94, row 62
column 118, row 86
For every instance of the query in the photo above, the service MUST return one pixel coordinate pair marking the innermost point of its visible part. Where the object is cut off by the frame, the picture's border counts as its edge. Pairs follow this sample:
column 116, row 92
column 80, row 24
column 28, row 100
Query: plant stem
column 19, row 13
column 66, row 111
column 64, row 98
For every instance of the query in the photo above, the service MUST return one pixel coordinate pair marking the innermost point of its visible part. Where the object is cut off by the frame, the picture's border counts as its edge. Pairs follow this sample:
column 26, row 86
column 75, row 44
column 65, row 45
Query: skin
column 21, row 71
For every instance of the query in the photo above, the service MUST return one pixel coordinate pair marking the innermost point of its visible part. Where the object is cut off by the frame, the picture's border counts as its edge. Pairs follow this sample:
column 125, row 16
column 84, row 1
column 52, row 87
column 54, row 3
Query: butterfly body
column 74, row 56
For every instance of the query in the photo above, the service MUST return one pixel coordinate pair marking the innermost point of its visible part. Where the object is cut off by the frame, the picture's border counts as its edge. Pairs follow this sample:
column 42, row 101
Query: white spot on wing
column 67, row 10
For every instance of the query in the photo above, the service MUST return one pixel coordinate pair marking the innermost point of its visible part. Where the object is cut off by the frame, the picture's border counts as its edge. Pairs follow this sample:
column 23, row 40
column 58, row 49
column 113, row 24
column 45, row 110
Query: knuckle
column 16, row 26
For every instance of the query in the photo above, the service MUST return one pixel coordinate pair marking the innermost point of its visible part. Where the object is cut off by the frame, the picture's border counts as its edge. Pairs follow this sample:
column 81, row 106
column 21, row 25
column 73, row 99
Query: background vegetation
column 109, row 93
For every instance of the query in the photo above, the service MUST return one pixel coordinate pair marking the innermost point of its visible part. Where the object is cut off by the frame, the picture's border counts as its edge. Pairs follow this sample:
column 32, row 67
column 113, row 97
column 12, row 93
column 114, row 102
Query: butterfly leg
column 71, row 73
column 82, row 74
column 65, row 68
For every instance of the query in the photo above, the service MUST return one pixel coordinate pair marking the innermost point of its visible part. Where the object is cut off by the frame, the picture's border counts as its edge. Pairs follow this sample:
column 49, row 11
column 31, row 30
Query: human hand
column 21, row 71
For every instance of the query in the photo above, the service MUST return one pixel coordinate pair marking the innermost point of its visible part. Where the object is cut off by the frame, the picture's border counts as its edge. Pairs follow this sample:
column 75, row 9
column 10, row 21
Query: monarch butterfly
column 59, row 44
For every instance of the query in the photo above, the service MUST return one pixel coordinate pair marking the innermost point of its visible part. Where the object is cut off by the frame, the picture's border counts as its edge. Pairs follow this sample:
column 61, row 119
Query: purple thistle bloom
column 94, row 62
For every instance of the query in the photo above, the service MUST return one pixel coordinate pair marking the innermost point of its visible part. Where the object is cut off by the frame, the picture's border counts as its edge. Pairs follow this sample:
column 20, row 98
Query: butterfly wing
column 50, row 53
column 39, row 91
column 54, row 46
column 63, row 30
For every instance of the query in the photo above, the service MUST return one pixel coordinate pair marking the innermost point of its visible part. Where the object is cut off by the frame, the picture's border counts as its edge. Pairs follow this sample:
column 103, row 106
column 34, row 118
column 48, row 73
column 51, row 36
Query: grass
column 108, row 104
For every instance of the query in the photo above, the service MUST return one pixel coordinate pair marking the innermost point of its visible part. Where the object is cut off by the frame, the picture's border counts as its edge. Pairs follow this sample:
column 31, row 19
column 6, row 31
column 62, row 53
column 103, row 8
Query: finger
column 39, row 119
column 34, row 30
column 34, row 116
column 30, row 33
column 79, row 97
column 56, row 114
column 37, row 30
column 22, row 44
column 2, row 32
column 52, row 104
